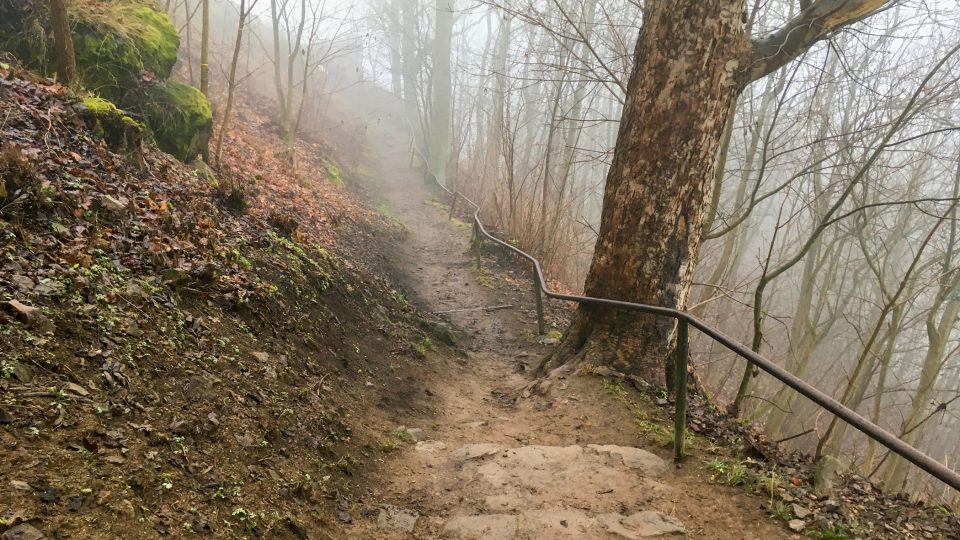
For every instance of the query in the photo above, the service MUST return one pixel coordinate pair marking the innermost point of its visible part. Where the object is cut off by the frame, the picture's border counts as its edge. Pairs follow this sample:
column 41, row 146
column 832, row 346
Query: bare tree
column 63, row 43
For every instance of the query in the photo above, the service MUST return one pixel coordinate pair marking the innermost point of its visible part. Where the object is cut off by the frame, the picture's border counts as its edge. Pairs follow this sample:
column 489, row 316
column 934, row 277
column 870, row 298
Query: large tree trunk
column 63, row 43
column 691, row 61
column 678, row 100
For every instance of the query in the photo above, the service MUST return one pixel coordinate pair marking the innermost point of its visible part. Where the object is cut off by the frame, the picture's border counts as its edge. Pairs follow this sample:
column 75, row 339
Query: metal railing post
column 477, row 242
column 680, row 377
column 538, row 297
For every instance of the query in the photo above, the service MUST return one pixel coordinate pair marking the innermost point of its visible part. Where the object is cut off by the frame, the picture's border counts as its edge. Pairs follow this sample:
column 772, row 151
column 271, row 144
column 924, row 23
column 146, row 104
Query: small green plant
column 334, row 173
column 166, row 481
column 840, row 531
column 615, row 388
column 781, row 511
column 245, row 518
column 7, row 369
column 552, row 336
column 728, row 472
column 943, row 510
column 424, row 346
column 89, row 459
column 388, row 446
column 771, row 482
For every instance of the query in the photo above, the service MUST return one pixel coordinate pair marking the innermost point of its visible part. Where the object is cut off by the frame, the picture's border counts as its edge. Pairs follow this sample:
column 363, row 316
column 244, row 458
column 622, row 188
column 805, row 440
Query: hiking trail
column 571, row 464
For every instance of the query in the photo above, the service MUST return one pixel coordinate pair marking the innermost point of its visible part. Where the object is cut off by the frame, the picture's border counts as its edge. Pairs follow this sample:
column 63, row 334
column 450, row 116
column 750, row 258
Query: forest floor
column 589, row 460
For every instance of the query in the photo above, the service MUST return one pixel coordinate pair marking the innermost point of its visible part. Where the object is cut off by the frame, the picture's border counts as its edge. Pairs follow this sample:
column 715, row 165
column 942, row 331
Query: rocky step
column 563, row 523
column 592, row 491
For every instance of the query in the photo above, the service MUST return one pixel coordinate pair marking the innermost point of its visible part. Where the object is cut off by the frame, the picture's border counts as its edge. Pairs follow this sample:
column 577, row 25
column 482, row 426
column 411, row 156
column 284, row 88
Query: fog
column 517, row 104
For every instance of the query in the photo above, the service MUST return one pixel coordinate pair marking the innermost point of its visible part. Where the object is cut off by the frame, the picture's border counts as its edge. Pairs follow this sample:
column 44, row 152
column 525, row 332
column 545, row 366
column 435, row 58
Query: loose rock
column 111, row 204
column 416, row 434
column 393, row 518
column 799, row 511
column 32, row 316
column 23, row 531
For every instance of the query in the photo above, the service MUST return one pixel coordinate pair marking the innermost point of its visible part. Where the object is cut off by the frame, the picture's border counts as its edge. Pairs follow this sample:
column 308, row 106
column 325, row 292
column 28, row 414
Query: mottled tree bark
column 692, row 59
column 678, row 100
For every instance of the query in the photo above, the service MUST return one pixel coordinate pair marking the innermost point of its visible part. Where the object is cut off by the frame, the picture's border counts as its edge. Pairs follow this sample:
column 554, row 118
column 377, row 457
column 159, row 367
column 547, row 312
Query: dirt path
column 573, row 464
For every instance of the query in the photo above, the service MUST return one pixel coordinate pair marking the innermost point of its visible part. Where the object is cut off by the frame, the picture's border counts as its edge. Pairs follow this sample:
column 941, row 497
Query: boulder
column 179, row 117
column 114, row 42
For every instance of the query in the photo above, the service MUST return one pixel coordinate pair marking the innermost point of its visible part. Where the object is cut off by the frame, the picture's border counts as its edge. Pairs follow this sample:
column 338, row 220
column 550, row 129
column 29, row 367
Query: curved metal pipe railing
column 684, row 319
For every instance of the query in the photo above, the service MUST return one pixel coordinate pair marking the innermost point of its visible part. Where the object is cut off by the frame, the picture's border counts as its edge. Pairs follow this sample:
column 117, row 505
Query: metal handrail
column 684, row 319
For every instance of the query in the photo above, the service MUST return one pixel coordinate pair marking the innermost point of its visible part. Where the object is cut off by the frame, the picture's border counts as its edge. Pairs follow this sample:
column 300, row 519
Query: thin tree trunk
column 496, row 124
column 411, row 66
column 277, row 66
column 232, row 81
column 205, row 48
column 187, row 26
column 441, row 105
column 63, row 43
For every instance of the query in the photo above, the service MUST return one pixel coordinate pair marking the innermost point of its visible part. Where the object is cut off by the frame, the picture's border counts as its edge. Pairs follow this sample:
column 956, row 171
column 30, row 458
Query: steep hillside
column 171, row 364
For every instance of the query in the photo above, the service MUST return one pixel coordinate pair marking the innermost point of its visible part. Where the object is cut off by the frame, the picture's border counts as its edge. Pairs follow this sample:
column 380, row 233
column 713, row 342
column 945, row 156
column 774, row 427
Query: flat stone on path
column 633, row 458
column 645, row 524
column 430, row 446
column 474, row 451
column 559, row 523
column 564, row 523
column 485, row 527
column 393, row 518
column 539, row 491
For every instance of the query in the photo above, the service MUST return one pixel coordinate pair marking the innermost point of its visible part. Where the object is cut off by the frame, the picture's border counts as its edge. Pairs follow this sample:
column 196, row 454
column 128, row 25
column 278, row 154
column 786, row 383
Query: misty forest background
column 830, row 240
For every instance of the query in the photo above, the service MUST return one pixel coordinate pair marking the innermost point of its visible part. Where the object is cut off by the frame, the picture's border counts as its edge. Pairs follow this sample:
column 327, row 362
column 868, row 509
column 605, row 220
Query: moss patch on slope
column 180, row 117
column 120, row 131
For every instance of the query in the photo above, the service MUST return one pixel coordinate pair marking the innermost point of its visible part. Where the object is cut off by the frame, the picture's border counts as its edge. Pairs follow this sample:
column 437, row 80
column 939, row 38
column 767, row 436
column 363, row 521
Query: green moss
column 179, row 117
column 333, row 172
column 98, row 105
column 107, row 121
column 117, row 41
column 114, row 41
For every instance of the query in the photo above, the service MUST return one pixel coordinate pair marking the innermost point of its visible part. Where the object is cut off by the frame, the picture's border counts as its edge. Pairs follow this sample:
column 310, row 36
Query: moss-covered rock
column 180, row 118
column 119, row 130
column 114, row 41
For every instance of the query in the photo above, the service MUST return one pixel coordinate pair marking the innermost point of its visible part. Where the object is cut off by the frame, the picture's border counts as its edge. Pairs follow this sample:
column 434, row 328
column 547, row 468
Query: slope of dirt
column 171, row 367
